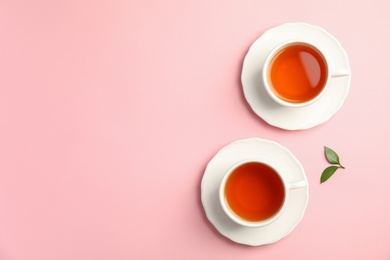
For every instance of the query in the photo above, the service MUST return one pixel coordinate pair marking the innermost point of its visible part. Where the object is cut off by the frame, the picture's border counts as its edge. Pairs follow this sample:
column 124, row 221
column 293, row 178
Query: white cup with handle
column 253, row 193
column 296, row 73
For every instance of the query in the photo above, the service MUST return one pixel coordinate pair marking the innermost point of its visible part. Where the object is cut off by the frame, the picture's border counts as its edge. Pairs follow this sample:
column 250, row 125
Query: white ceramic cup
column 243, row 222
column 330, row 73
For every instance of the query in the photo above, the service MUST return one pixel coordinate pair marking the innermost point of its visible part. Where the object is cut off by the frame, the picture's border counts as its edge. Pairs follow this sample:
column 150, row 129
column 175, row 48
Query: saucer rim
column 283, row 233
column 261, row 112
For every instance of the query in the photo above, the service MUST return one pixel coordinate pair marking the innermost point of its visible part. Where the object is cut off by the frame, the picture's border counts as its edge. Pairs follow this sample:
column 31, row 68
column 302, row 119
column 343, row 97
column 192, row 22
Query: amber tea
column 297, row 73
column 254, row 191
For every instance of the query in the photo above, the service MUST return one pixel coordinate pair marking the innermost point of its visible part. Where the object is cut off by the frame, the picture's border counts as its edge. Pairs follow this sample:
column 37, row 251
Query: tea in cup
column 296, row 73
column 253, row 194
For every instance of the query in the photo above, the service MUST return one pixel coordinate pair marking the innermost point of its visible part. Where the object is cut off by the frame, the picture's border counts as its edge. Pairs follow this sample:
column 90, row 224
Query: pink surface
column 110, row 111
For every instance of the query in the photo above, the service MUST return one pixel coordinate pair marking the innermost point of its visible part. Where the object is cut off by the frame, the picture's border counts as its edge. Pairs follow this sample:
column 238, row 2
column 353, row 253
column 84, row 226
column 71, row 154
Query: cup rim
column 266, row 67
column 233, row 216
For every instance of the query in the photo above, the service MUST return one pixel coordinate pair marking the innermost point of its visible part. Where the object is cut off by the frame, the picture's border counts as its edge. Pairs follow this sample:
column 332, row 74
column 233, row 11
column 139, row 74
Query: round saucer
column 300, row 117
column 292, row 171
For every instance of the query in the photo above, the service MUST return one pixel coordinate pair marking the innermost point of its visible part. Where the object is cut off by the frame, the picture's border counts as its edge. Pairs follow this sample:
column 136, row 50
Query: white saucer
column 302, row 117
column 292, row 172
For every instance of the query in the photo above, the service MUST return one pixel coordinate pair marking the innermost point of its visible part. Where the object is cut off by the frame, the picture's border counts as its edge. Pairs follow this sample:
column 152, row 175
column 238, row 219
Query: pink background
column 110, row 111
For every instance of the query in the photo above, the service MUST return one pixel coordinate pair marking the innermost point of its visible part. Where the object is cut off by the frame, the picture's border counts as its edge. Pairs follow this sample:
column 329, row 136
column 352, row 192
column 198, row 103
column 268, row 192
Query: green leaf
column 331, row 156
column 328, row 172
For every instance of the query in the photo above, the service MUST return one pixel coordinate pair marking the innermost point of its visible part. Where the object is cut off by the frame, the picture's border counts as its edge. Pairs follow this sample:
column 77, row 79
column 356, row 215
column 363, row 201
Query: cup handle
column 340, row 73
column 297, row 185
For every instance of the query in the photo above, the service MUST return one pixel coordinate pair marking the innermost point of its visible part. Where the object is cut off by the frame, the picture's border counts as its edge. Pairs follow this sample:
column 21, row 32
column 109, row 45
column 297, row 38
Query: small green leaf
column 328, row 172
column 331, row 156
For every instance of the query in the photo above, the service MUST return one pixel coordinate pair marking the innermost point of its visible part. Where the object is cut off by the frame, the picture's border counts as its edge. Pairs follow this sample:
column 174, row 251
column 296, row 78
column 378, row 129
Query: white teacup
column 296, row 73
column 254, row 194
